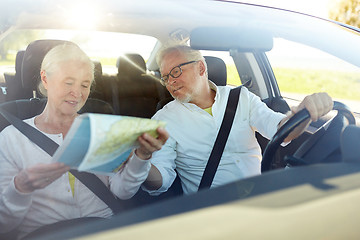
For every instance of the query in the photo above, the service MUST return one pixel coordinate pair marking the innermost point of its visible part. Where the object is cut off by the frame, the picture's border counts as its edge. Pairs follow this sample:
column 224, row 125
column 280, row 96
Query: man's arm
column 162, row 173
column 127, row 181
column 154, row 179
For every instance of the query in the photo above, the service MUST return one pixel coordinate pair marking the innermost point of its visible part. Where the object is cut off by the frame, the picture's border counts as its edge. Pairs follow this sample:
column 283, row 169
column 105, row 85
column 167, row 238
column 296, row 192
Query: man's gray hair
column 189, row 54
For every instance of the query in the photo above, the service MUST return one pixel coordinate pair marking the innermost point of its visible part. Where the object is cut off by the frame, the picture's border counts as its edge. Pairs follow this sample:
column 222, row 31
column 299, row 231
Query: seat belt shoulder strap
column 221, row 139
column 90, row 180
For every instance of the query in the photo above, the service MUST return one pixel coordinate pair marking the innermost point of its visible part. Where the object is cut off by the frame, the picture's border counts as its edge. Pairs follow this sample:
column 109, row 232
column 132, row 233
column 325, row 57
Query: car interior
column 131, row 92
column 134, row 89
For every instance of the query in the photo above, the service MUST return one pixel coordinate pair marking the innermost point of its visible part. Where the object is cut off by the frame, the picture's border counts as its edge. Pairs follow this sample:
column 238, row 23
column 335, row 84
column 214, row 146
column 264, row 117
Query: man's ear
column 43, row 78
column 202, row 68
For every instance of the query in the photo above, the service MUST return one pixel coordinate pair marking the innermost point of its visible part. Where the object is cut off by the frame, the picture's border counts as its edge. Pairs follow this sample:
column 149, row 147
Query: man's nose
column 171, row 80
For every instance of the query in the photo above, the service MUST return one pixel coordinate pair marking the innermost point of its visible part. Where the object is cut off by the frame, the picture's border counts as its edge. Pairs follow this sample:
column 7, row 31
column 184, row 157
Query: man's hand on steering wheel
column 317, row 104
column 295, row 122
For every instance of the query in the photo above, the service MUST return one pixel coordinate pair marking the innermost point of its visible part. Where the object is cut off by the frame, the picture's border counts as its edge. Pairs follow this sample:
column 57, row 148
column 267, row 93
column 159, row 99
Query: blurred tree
column 346, row 11
column 17, row 40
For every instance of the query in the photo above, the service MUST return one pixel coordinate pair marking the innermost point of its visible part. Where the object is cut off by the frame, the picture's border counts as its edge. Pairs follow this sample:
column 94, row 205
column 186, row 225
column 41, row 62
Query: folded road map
column 100, row 143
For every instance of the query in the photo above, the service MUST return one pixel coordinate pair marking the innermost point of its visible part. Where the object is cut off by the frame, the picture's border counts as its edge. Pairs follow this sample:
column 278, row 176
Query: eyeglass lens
column 175, row 72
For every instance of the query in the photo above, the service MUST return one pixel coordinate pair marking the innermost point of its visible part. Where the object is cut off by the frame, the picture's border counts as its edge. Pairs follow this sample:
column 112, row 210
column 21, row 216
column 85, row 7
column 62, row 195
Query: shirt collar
column 215, row 88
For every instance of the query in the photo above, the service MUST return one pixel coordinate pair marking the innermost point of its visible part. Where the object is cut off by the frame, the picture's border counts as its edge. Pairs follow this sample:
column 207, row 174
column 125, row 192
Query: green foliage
column 346, row 11
column 17, row 40
column 342, row 85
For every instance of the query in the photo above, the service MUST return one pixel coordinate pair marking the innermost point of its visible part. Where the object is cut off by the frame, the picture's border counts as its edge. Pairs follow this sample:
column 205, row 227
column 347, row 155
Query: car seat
column 14, row 88
column 97, row 88
column 216, row 73
column 30, row 104
column 350, row 144
column 136, row 92
column 31, row 64
column 216, row 70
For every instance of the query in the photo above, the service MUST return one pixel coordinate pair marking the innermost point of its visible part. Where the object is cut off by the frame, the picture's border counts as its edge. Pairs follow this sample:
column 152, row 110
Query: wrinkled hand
column 149, row 144
column 39, row 176
column 318, row 104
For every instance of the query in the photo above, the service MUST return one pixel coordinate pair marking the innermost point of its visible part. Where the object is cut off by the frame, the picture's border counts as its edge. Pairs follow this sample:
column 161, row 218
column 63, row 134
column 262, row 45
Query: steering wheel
column 290, row 125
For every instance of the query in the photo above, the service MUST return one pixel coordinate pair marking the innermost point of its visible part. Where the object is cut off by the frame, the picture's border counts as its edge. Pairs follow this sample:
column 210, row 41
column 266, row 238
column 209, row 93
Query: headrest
column 97, row 70
column 216, row 70
column 131, row 65
column 18, row 60
column 33, row 56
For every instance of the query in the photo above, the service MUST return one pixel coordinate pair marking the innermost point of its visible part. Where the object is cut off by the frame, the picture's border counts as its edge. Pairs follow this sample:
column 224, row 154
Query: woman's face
column 68, row 87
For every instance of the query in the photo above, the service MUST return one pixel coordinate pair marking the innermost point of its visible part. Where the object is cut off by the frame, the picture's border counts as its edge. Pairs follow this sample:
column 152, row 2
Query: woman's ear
column 43, row 78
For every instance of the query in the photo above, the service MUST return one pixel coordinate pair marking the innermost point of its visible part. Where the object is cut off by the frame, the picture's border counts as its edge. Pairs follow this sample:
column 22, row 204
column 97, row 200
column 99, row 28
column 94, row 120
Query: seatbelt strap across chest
column 90, row 180
column 221, row 139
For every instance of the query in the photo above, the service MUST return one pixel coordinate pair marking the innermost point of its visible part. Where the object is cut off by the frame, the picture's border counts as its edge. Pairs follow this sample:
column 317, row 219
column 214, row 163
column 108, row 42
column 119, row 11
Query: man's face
column 184, row 87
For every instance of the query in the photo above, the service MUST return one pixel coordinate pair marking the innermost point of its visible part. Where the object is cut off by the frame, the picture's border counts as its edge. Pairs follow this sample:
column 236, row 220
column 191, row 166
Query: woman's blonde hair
column 63, row 53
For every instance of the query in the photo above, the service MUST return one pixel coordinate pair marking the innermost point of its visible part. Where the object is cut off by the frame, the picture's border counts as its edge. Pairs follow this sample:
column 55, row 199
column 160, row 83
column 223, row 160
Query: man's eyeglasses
column 175, row 72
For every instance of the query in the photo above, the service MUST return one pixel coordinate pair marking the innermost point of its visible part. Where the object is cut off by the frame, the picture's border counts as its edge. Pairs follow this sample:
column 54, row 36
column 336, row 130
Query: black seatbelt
column 221, row 139
column 90, row 180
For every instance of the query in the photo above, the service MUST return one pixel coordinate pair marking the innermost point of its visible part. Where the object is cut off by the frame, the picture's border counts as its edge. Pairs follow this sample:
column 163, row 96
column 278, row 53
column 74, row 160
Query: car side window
column 301, row 70
column 231, row 71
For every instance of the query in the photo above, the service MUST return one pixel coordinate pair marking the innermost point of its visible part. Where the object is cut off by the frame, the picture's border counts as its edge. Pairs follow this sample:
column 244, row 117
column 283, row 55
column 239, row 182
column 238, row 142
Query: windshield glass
column 309, row 55
column 299, row 69
column 105, row 47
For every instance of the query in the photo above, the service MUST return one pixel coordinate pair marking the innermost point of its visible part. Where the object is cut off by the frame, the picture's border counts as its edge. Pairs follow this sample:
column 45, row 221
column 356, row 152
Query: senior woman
column 36, row 191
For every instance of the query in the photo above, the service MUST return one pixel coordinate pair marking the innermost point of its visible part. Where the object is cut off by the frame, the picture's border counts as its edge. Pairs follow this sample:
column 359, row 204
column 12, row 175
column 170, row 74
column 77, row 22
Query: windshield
column 299, row 69
column 104, row 47
column 310, row 54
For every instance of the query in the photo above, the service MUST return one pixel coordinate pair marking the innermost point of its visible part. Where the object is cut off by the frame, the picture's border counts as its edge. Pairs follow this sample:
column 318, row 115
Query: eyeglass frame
column 165, row 82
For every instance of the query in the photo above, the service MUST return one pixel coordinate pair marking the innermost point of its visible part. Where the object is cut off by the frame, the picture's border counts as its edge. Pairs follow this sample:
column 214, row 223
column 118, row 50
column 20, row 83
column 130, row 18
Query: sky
column 319, row 8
